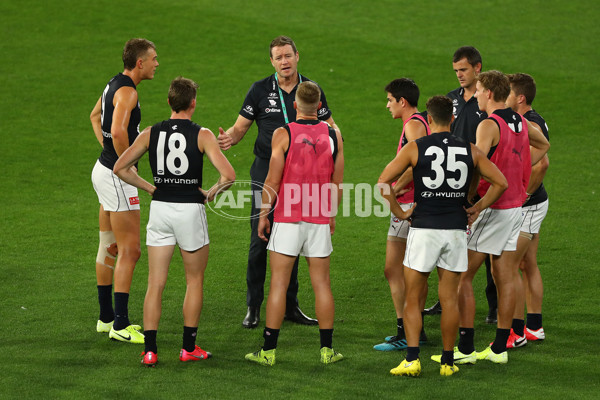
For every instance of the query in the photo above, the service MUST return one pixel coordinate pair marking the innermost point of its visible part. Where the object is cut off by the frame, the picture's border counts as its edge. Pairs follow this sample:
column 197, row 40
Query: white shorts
column 113, row 193
column 300, row 238
column 398, row 227
column 177, row 223
column 427, row 249
column 495, row 231
column 533, row 217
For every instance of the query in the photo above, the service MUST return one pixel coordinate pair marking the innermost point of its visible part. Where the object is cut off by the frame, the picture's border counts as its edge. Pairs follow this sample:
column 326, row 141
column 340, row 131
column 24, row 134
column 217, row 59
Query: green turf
column 56, row 60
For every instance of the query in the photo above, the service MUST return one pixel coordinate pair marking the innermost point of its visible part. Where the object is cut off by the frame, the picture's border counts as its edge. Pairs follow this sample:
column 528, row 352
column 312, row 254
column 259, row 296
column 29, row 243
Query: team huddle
column 465, row 186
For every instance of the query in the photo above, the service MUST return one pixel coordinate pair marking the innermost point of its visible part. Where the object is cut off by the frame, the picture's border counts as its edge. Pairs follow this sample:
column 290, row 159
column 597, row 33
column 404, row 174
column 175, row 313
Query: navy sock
column 465, row 340
column 150, row 341
column 400, row 325
column 499, row 345
column 518, row 325
column 412, row 353
column 447, row 358
column 107, row 314
column 189, row 338
column 326, row 337
column 121, row 317
column 534, row 321
column 271, row 336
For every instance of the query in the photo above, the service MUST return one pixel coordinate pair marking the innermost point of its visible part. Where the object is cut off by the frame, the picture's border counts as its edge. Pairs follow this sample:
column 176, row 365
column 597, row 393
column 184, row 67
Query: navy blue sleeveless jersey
column 540, row 195
column 442, row 177
column 109, row 156
column 176, row 161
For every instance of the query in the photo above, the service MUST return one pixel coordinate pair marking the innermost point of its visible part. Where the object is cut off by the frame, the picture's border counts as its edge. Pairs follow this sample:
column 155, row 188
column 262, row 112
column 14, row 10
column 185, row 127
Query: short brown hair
column 470, row 53
column 181, row 93
column 497, row 82
column 523, row 84
column 133, row 50
column 440, row 109
column 308, row 96
column 280, row 41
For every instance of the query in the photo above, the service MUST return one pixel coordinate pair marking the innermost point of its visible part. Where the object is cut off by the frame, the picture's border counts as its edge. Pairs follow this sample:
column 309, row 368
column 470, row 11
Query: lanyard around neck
column 285, row 115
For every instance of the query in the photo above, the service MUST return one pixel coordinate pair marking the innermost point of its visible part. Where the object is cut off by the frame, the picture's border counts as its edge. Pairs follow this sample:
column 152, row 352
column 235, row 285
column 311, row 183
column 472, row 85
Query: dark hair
column 523, row 84
column 496, row 82
column 135, row 49
column 440, row 109
column 181, row 93
column 404, row 87
column 282, row 41
column 470, row 53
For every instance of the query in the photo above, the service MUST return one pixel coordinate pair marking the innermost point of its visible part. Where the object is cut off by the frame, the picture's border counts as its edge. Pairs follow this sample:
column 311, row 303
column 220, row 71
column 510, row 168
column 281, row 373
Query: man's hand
column 207, row 195
column 264, row 226
column 224, row 139
column 402, row 191
column 404, row 215
column 472, row 214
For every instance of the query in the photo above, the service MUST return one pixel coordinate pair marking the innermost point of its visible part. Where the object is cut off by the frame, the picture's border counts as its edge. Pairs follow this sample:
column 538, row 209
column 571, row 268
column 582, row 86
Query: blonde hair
column 308, row 96
column 496, row 82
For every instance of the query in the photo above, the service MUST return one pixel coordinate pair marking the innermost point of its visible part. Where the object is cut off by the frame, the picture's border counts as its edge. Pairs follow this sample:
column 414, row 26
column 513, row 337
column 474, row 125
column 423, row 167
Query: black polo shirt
column 466, row 116
column 263, row 105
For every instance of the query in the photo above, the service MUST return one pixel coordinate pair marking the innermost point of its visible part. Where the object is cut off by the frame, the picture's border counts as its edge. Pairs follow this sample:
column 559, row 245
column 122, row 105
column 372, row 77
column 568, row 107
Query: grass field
column 56, row 60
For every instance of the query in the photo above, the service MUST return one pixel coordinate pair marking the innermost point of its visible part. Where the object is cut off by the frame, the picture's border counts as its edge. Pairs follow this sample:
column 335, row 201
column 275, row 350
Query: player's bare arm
column 124, row 167
column 279, row 145
column 489, row 172
column 412, row 131
column 487, row 135
column 207, row 143
column 475, row 178
column 332, row 124
column 233, row 135
column 538, row 142
column 125, row 100
column 538, row 172
column 400, row 186
column 407, row 157
column 337, row 178
column 96, row 119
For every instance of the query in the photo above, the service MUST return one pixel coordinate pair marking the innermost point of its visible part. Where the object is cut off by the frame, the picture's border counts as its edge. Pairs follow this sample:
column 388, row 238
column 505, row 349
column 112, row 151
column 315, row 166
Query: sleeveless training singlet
column 108, row 157
column 176, row 161
column 304, row 193
column 512, row 157
column 408, row 197
column 442, row 177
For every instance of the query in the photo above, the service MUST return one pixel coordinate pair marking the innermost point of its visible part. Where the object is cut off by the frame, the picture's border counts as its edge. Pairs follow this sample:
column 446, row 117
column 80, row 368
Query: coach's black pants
column 490, row 290
column 257, row 255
